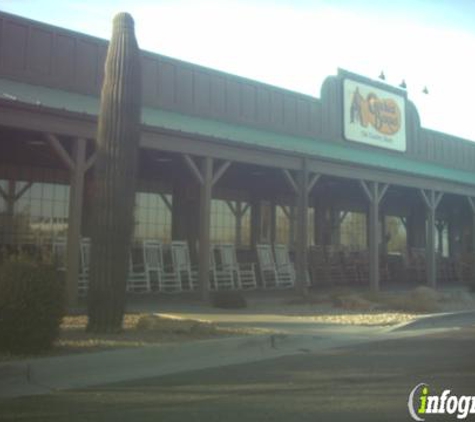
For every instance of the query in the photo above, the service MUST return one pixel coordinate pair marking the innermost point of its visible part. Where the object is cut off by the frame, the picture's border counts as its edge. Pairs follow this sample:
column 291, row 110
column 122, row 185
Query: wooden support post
column 238, row 211
column 471, row 202
column 180, row 223
column 273, row 222
column 205, row 219
column 78, row 164
column 319, row 223
column 75, row 220
column 255, row 221
column 384, row 238
column 335, row 233
column 238, row 215
column 291, row 217
column 374, row 192
column 3, row 194
column 301, row 256
column 302, row 188
column 61, row 152
column 431, row 264
column 206, row 179
column 440, row 226
column 166, row 202
column 431, row 200
column 10, row 199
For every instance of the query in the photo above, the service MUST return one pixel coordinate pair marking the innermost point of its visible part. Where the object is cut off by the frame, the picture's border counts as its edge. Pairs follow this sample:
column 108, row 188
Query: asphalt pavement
column 359, row 382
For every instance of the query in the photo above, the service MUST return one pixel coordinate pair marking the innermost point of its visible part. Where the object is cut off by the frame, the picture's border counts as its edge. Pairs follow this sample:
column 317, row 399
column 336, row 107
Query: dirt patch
column 138, row 330
column 346, row 306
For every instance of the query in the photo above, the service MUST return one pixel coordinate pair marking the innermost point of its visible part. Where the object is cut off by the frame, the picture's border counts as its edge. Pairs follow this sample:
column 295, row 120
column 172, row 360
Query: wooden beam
column 74, row 222
column 219, row 149
column 342, row 216
column 425, row 198
column 292, row 224
column 403, row 221
column 366, row 190
column 255, row 220
column 285, row 211
column 302, row 231
column 238, row 216
column 374, row 193
column 431, row 257
column 432, row 200
column 3, row 194
column 232, row 208
column 473, row 249
column 166, row 201
column 290, row 181
column 22, row 191
column 471, row 203
column 70, row 124
column 273, row 222
column 382, row 192
column 194, row 168
column 219, row 173
column 313, row 180
column 374, row 245
column 438, row 198
column 391, row 177
column 245, row 208
column 204, row 229
column 90, row 161
column 10, row 201
column 56, row 145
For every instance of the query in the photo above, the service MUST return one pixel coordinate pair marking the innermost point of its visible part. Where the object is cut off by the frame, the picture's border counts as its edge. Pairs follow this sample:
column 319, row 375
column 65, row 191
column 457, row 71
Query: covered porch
column 341, row 224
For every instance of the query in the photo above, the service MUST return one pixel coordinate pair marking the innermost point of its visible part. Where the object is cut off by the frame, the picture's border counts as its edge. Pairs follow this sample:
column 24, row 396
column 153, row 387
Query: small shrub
column 336, row 293
column 353, row 302
column 32, row 305
column 422, row 299
column 228, row 300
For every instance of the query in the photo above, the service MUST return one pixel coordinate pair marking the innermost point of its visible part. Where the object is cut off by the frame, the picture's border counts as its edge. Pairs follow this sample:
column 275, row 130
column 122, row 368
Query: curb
column 44, row 375
column 440, row 320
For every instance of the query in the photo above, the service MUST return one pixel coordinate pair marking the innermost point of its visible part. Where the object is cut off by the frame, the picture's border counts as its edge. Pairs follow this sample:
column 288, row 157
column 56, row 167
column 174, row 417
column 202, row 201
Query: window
column 153, row 216
column 353, row 231
column 32, row 212
column 225, row 227
column 395, row 235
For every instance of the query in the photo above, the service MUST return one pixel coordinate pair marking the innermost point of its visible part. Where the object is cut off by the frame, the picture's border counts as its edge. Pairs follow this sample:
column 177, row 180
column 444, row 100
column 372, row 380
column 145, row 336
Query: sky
column 296, row 44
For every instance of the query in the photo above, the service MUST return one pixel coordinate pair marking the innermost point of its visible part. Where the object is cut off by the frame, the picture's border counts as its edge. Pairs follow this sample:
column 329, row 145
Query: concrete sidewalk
column 294, row 336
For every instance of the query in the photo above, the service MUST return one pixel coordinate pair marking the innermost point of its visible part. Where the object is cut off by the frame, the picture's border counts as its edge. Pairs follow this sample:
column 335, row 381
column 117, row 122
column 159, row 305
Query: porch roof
column 334, row 151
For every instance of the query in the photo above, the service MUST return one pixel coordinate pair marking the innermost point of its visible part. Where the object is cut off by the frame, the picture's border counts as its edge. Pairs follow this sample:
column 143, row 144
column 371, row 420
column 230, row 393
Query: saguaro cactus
column 114, row 178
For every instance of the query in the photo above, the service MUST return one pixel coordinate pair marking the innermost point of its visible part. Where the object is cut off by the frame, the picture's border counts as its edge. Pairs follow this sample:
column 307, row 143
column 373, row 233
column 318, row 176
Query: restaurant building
column 224, row 159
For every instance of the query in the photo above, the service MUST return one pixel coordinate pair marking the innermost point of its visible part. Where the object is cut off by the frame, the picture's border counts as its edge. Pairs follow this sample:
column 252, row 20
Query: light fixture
column 403, row 84
column 382, row 76
column 425, row 90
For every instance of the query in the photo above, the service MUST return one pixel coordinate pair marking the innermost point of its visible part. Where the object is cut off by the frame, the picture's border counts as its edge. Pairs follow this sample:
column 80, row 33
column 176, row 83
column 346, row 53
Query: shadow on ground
column 362, row 383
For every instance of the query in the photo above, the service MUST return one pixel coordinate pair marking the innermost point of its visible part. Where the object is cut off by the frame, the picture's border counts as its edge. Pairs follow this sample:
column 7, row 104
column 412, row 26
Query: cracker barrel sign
column 373, row 116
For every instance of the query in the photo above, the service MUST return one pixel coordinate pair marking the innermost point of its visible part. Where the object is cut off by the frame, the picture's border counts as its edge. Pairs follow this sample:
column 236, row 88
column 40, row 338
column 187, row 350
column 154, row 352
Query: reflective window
column 286, row 225
column 225, row 216
column 153, row 218
column 395, row 235
column 32, row 212
column 353, row 231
